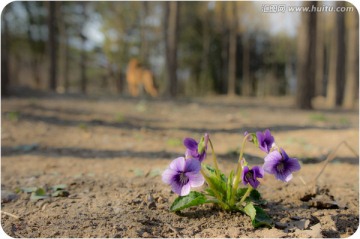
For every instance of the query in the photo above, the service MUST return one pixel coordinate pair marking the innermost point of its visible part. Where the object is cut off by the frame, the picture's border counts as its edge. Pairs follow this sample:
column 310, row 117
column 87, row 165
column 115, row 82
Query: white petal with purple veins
column 195, row 179
column 185, row 190
column 178, row 164
column 168, row 175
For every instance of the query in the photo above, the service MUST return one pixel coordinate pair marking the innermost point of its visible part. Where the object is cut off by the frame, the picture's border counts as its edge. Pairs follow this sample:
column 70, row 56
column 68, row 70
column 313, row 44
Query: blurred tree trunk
column 171, row 24
column 352, row 60
column 232, row 50
column 224, row 49
column 34, row 44
column 63, row 32
column 306, row 59
column 52, row 47
column 320, row 61
column 66, row 63
column 83, row 56
column 204, row 74
column 246, row 84
column 144, row 48
column 4, row 54
column 335, row 87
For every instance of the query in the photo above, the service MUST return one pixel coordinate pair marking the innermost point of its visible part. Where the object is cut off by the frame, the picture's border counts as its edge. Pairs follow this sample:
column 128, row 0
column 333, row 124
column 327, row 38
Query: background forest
column 193, row 48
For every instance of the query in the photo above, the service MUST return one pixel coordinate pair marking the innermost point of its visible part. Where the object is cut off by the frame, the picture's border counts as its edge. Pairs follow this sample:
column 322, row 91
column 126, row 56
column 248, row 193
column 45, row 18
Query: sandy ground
column 110, row 153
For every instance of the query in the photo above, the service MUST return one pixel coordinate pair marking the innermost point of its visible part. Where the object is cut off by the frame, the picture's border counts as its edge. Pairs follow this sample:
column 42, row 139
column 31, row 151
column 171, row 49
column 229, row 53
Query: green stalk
column 247, row 193
column 239, row 169
column 214, row 158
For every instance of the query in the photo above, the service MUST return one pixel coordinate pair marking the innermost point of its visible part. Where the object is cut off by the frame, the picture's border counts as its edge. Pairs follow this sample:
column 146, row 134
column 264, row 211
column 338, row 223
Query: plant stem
column 247, row 193
column 239, row 167
column 214, row 158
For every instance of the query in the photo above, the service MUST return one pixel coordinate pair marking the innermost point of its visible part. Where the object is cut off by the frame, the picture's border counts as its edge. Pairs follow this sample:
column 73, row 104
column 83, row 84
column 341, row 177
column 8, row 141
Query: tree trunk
column 224, row 49
column 144, row 48
column 232, row 51
column 246, row 84
column 306, row 59
column 4, row 55
column 320, row 46
column 83, row 56
column 171, row 36
column 204, row 74
column 352, row 61
column 335, row 87
column 52, row 49
column 66, row 63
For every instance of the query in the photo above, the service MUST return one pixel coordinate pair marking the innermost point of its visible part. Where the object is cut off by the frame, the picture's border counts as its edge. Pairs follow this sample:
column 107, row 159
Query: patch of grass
column 83, row 126
column 344, row 121
column 119, row 117
column 173, row 142
column 318, row 117
column 13, row 116
column 138, row 172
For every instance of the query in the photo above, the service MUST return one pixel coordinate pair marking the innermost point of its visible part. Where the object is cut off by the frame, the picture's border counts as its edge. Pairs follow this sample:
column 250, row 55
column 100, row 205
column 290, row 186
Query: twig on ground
column 331, row 156
column 10, row 215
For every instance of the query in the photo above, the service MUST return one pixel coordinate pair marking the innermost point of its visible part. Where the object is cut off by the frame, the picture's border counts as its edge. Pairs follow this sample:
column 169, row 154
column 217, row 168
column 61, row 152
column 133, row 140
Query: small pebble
column 7, row 196
column 297, row 218
column 280, row 225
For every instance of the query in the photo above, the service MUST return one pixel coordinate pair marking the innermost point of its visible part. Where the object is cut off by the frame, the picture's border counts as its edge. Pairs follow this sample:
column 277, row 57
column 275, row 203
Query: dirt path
column 110, row 154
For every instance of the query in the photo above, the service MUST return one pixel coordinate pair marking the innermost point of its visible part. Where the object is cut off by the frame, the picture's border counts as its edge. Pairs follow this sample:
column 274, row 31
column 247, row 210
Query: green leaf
column 255, row 197
column 250, row 210
column 59, row 187
column 229, row 186
column 38, row 194
column 218, row 184
column 261, row 218
column 60, row 193
column 192, row 199
column 29, row 189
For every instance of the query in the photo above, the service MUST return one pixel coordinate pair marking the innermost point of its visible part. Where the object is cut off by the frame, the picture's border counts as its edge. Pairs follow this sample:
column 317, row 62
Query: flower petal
column 178, row 164
column 268, row 136
column 185, row 190
column 192, row 165
column 195, row 179
column 292, row 164
column 270, row 166
column 168, row 176
column 190, row 143
column 285, row 176
column 254, row 183
column 258, row 172
column 288, row 178
column 284, row 154
column 176, row 187
column 243, row 174
column 191, row 154
column 273, row 156
column 260, row 137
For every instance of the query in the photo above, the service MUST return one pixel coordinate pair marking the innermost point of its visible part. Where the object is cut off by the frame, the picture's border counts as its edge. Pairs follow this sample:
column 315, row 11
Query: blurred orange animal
column 137, row 76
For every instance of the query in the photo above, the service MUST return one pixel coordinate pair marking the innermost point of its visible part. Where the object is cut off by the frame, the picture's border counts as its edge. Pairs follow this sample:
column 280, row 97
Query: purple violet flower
column 183, row 174
column 265, row 140
column 192, row 148
column 250, row 175
column 281, row 165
